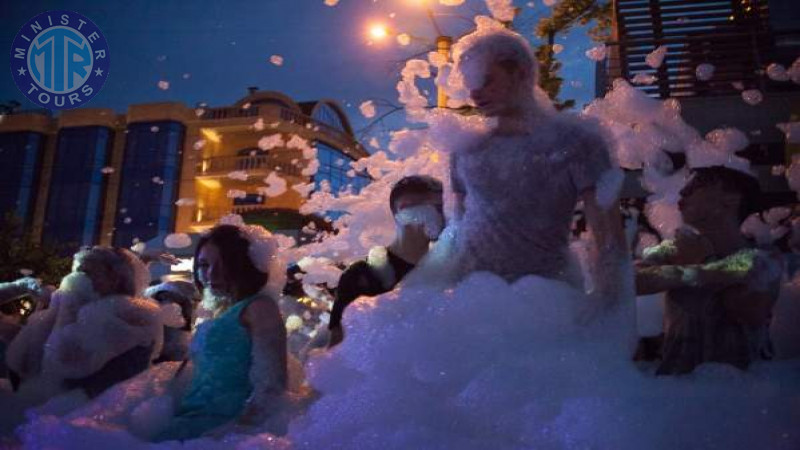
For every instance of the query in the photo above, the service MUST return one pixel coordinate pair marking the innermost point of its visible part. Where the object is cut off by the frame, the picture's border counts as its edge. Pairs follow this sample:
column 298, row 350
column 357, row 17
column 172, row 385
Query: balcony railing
column 304, row 120
column 214, row 214
column 284, row 114
column 256, row 165
column 31, row 111
column 228, row 113
column 736, row 40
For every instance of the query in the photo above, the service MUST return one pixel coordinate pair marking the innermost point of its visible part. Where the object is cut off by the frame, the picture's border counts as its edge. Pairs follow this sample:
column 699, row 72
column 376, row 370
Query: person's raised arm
column 652, row 279
column 745, row 267
column 610, row 254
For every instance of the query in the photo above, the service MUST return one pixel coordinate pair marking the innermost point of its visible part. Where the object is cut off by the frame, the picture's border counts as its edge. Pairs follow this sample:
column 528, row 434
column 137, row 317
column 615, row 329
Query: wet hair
column 186, row 305
column 238, row 268
column 731, row 181
column 414, row 184
column 499, row 46
column 131, row 273
column 182, row 293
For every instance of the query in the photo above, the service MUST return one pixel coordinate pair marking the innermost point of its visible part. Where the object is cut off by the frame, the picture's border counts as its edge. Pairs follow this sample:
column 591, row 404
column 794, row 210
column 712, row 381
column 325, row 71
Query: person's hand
column 692, row 247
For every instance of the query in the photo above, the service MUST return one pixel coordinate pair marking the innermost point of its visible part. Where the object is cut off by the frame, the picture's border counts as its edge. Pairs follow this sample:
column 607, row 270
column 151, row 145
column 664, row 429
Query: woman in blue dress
column 239, row 367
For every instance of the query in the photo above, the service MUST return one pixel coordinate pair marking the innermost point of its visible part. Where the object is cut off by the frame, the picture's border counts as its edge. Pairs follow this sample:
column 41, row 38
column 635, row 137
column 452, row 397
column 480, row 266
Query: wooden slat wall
column 733, row 35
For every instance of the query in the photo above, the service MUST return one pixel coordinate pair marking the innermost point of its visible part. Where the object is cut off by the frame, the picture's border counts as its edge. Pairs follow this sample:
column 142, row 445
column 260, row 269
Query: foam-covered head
column 476, row 52
column 112, row 270
column 239, row 260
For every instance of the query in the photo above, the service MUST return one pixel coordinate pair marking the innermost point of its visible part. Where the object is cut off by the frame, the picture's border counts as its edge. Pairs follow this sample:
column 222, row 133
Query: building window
column 21, row 153
column 326, row 114
column 248, row 200
column 333, row 167
column 149, row 182
column 78, row 186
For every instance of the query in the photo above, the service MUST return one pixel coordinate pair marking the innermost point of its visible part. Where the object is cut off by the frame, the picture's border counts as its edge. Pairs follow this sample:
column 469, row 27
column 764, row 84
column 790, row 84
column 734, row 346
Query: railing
column 214, row 214
column 228, row 113
column 285, row 114
column 259, row 164
column 738, row 42
column 242, row 209
column 304, row 120
column 31, row 111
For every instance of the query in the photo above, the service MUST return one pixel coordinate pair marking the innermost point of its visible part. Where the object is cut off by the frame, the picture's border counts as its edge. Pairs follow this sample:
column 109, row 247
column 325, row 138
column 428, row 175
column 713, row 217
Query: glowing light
column 378, row 31
column 211, row 135
column 209, row 183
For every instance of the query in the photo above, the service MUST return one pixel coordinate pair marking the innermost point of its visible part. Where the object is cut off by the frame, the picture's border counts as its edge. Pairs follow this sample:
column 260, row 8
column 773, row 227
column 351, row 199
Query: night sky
column 211, row 51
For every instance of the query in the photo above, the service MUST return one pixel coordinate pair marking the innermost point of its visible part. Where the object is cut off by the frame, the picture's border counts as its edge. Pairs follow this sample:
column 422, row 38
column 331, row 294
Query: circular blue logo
column 59, row 59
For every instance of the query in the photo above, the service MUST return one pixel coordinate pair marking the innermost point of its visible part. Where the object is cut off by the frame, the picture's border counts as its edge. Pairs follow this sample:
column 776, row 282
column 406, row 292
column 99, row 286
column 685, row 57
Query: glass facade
column 21, row 153
column 333, row 167
column 149, row 182
column 327, row 115
column 77, row 186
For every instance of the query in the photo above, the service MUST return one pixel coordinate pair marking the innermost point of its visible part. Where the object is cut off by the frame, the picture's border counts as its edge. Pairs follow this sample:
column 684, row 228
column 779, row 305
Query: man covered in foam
column 516, row 188
column 98, row 330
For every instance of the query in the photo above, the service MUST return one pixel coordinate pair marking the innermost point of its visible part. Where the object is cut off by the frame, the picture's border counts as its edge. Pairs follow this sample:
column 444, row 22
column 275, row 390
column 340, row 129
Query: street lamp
column 378, row 31
column 443, row 45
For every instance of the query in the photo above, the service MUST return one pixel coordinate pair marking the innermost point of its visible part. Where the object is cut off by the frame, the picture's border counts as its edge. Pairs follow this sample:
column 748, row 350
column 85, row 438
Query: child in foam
column 719, row 289
column 239, row 361
column 516, row 188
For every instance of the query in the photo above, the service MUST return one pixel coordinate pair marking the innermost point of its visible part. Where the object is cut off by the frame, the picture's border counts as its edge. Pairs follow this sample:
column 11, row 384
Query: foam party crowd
column 489, row 289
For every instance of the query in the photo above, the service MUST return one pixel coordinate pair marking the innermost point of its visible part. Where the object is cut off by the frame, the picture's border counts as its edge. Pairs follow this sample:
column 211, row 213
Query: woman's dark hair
column 239, row 270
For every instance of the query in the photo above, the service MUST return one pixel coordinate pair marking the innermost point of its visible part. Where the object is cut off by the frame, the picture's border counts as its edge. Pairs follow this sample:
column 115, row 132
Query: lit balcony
column 257, row 165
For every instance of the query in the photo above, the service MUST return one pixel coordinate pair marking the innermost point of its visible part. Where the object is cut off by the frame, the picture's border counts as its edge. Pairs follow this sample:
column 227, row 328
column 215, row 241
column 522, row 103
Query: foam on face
column 425, row 215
